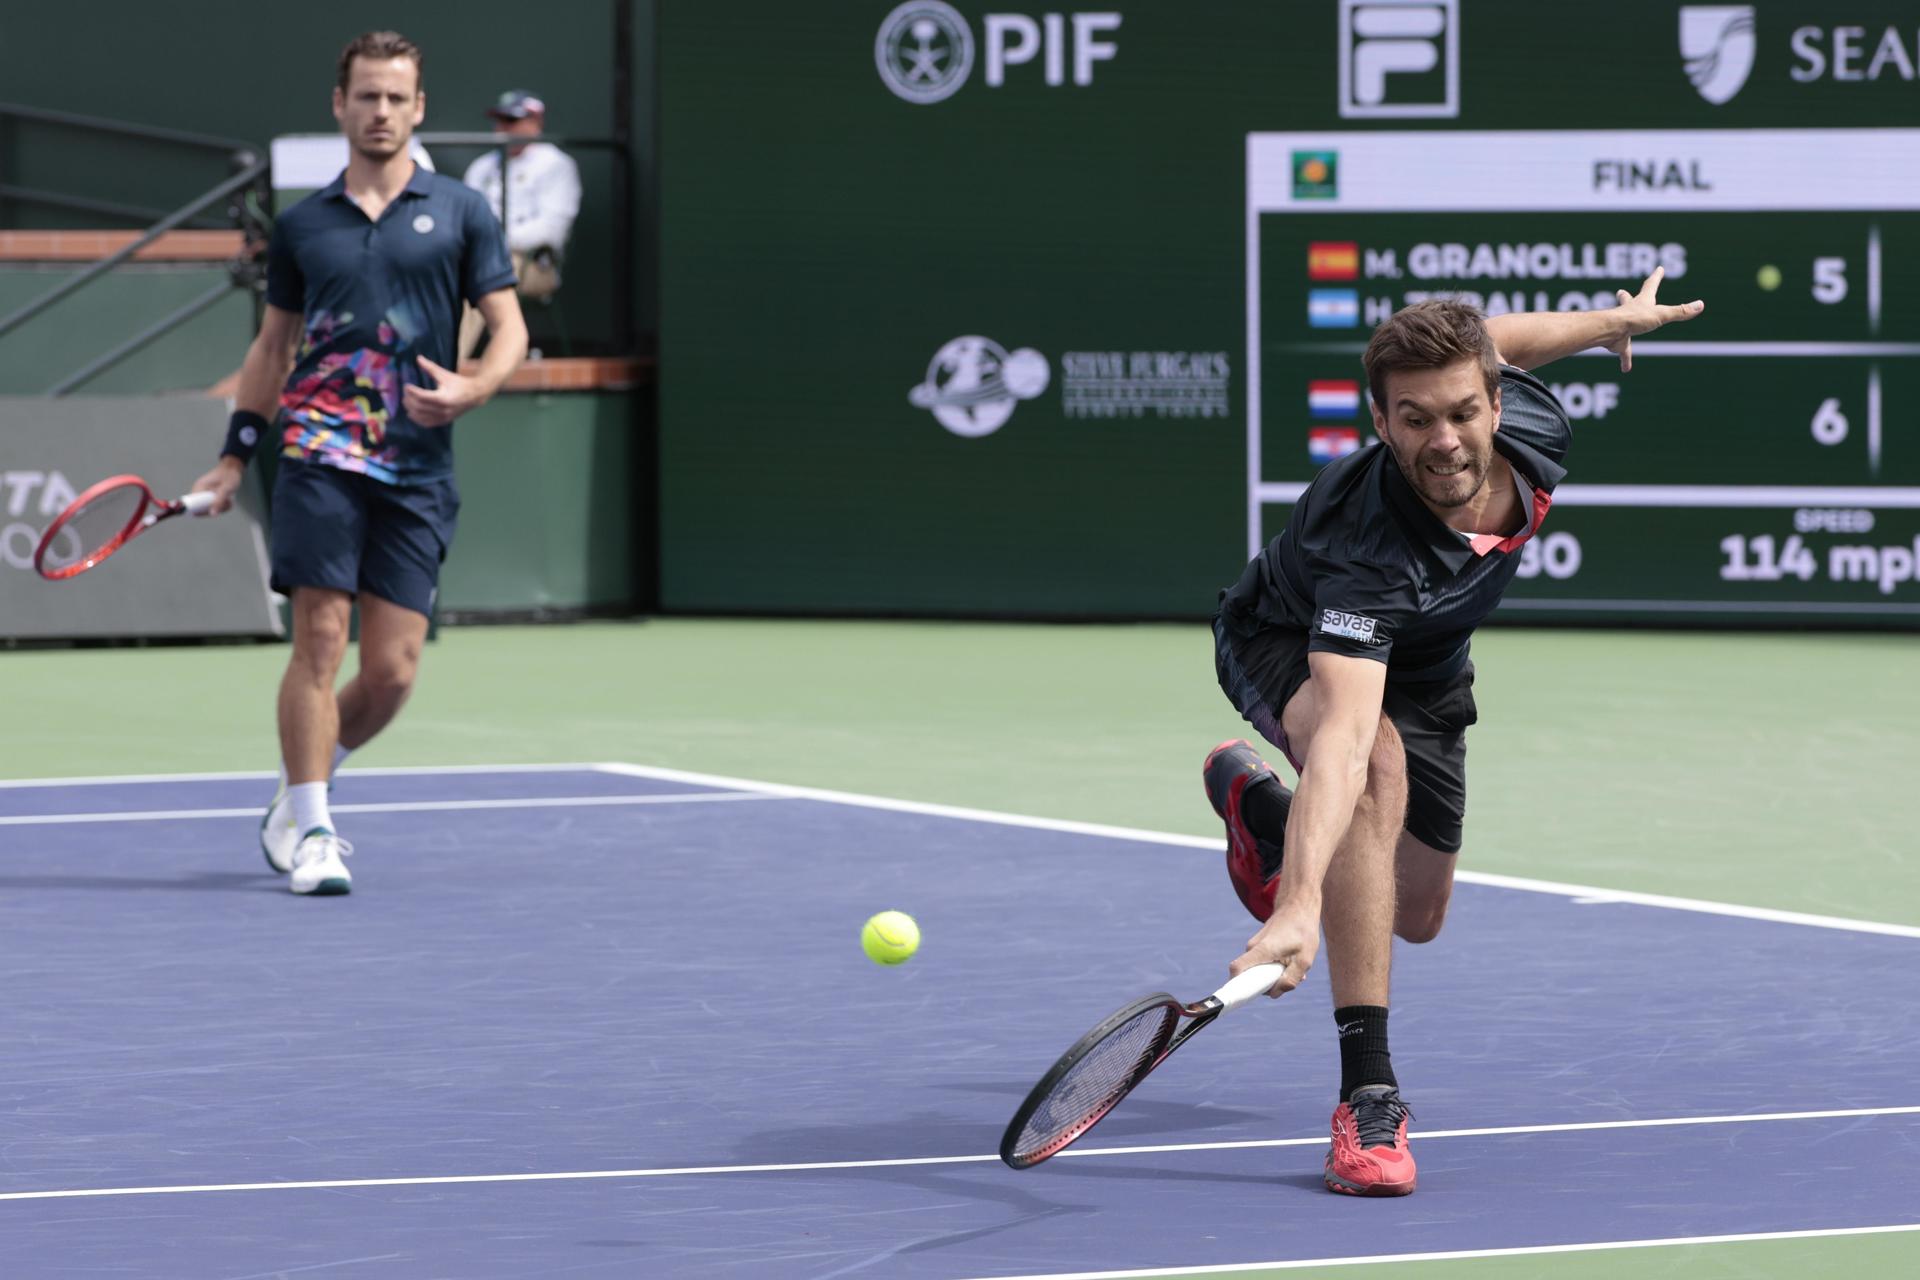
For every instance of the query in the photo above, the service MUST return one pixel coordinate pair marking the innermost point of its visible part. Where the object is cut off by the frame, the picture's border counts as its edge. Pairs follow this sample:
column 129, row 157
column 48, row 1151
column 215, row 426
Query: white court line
column 811, row 1166
column 1591, row 892
column 395, row 806
column 1295, row 1264
column 1594, row 895
column 386, row 771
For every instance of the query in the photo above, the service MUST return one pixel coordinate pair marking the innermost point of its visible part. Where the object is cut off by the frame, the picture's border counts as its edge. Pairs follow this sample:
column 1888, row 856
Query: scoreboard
column 1760, row 463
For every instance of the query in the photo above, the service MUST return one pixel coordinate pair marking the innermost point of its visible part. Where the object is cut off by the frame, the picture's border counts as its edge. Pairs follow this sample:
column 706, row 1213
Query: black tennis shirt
column 1367, row 570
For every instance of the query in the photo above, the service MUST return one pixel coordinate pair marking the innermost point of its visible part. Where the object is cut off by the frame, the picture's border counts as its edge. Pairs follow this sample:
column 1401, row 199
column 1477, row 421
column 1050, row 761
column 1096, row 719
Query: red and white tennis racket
column 1105, row 1064
column 104, row 519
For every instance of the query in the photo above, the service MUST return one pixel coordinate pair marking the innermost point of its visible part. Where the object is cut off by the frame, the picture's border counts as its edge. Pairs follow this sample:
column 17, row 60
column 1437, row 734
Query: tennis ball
column 1768, row 277
column 890, row 937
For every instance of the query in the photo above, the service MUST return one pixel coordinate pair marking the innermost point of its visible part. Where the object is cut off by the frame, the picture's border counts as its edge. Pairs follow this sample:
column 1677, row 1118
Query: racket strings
column 94, row 526
column 1101, row 1077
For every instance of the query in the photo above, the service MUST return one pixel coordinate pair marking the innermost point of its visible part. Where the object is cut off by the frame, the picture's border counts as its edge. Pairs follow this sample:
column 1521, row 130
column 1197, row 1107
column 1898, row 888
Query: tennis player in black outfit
column 1345, row 645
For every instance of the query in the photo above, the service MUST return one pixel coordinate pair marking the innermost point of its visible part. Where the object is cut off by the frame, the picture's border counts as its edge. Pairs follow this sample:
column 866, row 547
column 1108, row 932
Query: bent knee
column 388, row 679
column 1418, row 917
column 1419, row 926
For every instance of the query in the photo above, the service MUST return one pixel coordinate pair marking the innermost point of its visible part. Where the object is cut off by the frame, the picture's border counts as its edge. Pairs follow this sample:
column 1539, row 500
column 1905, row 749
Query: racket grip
column 1254, row 982
column 197, row 504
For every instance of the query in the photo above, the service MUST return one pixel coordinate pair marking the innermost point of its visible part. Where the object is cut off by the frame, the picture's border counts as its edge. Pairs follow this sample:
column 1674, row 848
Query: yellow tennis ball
column 890, row 937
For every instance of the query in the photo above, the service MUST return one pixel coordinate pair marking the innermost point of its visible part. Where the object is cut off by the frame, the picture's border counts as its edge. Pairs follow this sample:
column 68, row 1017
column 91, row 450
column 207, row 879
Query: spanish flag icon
column 1333, row 260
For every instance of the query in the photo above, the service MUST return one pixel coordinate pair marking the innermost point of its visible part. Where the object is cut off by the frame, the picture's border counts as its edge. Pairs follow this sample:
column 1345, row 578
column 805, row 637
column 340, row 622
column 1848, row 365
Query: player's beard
column 379, row 150
column 1455, row 490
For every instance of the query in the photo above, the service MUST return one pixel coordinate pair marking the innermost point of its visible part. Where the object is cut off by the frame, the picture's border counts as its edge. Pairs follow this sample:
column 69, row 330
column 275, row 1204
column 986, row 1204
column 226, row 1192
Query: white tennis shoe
column 317, row 865
column 278, row 838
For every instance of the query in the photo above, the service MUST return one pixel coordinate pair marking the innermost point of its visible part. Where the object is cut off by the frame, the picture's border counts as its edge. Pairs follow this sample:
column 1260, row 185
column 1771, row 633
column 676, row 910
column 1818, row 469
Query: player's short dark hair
column 1429, row 335
column 381, row 46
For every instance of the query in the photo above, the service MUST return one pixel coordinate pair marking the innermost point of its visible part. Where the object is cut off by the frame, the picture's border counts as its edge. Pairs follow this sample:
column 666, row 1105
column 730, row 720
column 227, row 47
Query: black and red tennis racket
column 1105, row 1064
column 104, row 519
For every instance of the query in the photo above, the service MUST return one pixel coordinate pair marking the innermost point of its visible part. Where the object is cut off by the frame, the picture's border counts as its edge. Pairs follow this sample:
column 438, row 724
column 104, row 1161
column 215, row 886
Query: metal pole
column 173, row 320
column 106, row 264
column 153, row 133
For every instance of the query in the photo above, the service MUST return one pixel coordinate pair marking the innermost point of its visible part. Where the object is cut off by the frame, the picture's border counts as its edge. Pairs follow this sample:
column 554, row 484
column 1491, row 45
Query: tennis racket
column 1106, row 1063
column 104, row 519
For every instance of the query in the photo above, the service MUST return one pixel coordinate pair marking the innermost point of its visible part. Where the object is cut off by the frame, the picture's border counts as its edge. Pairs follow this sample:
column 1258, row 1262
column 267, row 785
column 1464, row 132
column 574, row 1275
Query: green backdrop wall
column 956, row 299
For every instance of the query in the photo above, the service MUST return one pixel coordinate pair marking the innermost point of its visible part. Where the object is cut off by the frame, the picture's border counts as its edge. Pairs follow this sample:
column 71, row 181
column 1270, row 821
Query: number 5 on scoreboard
column 1829, row 279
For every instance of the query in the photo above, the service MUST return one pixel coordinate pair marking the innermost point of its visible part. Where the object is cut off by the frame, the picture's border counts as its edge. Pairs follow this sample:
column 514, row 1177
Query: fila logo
column 1390, row 52
column 1352, row 626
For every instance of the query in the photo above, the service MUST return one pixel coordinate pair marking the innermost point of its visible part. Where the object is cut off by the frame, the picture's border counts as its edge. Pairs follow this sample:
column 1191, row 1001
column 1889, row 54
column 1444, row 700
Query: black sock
column 1364, row 1059
column 1264, row 805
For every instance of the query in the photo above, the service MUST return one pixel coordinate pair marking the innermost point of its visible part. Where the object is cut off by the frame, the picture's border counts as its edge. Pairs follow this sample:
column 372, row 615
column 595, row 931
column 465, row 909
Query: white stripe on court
column 243, row 775
column 396, row 806
column 1214, row 843
column 1590, row 893
column 815, row 1166
column 1596, row 1246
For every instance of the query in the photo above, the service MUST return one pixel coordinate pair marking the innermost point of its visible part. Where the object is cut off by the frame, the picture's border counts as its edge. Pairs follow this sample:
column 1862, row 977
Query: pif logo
column 925, row 49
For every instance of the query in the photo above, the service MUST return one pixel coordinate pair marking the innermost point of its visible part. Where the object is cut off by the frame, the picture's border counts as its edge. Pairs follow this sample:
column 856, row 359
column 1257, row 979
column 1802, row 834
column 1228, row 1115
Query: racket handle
column 1254, row 982
column 197, row 504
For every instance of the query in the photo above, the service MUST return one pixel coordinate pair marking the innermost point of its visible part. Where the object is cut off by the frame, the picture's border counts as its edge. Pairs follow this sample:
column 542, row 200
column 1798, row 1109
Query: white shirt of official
column 544, row 199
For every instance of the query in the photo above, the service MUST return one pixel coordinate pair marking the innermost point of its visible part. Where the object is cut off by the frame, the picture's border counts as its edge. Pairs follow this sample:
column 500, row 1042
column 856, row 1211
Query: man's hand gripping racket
column 1105, row 1064
column 104, row 519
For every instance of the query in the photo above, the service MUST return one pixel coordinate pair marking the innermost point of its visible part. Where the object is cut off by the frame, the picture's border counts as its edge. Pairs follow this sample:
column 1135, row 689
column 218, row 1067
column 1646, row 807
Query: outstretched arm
column 1346, row 716
column 1530, row 339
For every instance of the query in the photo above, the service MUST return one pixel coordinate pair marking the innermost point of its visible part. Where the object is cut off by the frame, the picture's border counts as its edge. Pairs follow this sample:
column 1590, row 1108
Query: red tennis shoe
column 1369, row 1155
column 1252, row 863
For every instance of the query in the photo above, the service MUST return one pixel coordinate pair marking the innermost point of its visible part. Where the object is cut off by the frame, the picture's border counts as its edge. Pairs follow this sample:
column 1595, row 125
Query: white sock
column 340, row 755
column 310, row 807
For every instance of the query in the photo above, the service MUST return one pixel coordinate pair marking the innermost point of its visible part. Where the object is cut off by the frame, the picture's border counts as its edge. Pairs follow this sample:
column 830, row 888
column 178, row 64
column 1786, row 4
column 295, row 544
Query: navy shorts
column 1261, row 668
column 352, row 533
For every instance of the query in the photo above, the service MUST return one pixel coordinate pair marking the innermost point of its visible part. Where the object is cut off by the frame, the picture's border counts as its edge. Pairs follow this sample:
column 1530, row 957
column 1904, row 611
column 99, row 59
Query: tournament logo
column 924, row 51
column 1717, row 43
column 973, row 384
column 1316, row 175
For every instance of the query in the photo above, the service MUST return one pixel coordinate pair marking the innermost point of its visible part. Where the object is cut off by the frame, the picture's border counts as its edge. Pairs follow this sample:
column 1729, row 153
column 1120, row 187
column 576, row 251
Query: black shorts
column 1261, row 668
column 352, row 533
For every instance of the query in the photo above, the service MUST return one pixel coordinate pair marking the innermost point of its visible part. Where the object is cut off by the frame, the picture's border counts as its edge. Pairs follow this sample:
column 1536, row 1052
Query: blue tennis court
column 607, row 1020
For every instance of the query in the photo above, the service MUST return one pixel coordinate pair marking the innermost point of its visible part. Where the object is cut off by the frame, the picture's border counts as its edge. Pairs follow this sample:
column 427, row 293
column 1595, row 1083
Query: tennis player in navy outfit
column 1345, row 645
column 352, row 374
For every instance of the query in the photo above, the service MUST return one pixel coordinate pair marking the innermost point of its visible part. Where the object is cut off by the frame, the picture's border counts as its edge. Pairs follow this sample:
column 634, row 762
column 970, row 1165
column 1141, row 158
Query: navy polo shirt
column 1366, row 569
column 375, row 296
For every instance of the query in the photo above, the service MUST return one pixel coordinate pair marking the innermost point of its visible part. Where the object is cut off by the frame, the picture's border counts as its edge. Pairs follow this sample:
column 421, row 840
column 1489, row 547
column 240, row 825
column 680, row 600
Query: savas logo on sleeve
column 1352, row 626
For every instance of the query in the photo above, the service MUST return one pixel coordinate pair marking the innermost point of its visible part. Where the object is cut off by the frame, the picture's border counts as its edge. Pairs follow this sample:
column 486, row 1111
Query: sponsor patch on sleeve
column 1350, row 626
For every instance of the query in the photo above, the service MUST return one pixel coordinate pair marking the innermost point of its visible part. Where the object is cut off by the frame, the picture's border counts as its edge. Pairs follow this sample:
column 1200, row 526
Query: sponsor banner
column 1138, row 384
column 190, row 577
column 973, row 384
